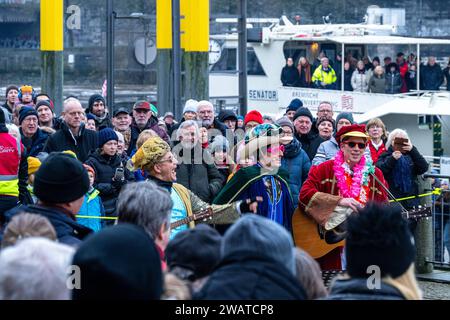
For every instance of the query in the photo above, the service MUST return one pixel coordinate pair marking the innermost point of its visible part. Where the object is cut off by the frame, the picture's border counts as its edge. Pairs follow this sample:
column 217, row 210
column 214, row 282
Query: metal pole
column 110, row 55
column 418, row 66
column 176, row 54
column 342, row 66
column 242, row 48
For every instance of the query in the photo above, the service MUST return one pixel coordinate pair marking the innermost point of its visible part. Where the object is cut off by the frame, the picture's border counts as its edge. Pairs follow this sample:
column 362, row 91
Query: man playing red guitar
column 344, row 182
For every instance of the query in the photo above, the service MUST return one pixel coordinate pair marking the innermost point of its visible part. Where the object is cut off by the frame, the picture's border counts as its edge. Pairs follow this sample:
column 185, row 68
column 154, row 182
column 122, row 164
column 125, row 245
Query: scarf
column 292, row 149
column 402, row 174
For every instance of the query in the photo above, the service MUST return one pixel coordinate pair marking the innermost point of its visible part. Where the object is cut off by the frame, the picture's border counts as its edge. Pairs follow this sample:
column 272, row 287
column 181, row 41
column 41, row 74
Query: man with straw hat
column 338, row 187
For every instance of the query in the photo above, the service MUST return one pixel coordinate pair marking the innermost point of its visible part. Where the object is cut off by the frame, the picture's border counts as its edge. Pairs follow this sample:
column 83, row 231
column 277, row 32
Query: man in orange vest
column 13, row 170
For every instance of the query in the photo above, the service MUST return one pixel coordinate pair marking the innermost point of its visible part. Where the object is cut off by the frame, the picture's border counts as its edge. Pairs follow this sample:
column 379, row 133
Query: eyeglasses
column 360, row 145
column 275, row 149
column 287, row 133
column 171, row 160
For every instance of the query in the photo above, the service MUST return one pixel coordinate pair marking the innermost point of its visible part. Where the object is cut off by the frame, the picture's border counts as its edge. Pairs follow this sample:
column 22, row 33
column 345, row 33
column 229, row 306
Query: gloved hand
column 250, row 205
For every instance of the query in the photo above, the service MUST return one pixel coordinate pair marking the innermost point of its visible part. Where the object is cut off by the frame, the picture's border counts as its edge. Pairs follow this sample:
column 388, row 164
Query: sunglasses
column 275, row 149
column 353, row 144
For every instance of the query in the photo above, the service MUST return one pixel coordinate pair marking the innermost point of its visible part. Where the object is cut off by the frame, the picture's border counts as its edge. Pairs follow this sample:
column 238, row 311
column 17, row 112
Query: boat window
column 227, row 61
column 254, row 67
column 295, row 50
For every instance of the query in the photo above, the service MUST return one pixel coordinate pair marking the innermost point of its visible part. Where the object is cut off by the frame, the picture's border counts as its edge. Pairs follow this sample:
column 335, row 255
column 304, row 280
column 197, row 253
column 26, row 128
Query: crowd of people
column 199, row 208
column 392, row 77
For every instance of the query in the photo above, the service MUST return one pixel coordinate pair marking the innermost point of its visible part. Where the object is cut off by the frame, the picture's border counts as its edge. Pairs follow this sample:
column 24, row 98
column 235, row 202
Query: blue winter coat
column 93, row 207
column 297, row 163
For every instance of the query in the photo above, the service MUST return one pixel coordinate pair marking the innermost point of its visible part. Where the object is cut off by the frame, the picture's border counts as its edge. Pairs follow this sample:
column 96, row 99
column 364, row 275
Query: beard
column 207, row 123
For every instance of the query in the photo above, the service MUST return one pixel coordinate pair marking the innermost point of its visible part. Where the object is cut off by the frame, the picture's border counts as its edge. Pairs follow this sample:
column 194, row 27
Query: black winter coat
column 357, row 289
column 151, row 124
column 63, row 139
column 386, row 163
column 68, row 231
column 393, row 82
column 431, row 77
column 247, row 276
column 36, row 143
column 203, row 178
column 105, row 169
column 348, row 80
column 290, row 76
column 310, row 143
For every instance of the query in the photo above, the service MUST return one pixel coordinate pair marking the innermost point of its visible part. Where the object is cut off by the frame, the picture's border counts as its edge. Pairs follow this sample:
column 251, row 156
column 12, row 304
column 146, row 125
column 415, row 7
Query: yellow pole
column 52, row 25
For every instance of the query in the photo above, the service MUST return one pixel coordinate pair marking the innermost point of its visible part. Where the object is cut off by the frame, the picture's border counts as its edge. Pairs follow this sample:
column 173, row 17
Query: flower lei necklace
column 351, row 185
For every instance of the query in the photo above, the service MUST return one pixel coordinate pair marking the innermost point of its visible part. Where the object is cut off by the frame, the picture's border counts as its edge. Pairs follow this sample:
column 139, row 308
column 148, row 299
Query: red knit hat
column 253, row 116
column 89, row 169
column 355, row 130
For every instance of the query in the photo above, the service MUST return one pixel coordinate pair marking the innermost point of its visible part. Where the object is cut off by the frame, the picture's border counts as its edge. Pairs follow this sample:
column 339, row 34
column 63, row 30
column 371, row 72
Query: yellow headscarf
column 152, row 151
column 33, row 165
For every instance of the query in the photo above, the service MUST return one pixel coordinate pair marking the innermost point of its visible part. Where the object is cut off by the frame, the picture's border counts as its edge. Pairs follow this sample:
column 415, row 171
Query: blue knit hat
column 26, row 111
column 90, row 116
column 106, row 135
column 294, row 105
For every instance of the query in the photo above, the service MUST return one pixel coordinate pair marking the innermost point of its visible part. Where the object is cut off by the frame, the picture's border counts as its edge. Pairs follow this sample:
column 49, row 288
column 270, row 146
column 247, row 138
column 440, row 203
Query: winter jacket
column 151, row 124
column 419, row 165
column 63, row 139
column 374, row 153
column 411, row 80
column 348, row 80
column 245, row 275
column 289, row 76
column 203, row 179
column 296, row 162
column 403, row 69
column 8, row 115
column 326, row 151
column 447, row 77
column 393, row 82
column 218, row 128
column 310, row 143
column 357, row 289
column 360, row 81
column 68, row 231
column 105, row 169
column 36, row 143
column 431, row 77
column 327, row 76
column 377, row 84
column 93, row 207
column 12, row 164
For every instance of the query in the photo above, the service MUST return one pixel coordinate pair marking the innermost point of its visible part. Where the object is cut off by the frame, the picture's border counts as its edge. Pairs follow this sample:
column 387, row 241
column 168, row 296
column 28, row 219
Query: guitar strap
column 388, row 192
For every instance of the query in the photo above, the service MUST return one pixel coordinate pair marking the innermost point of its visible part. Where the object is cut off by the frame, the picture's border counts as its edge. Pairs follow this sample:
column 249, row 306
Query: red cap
column 141, row 105
column 253, row 116
column 355, row 130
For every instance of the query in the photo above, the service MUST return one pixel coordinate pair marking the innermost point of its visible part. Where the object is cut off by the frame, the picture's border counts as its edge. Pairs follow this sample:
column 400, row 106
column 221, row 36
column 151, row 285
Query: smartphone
column 399, row 143
column 119, row 174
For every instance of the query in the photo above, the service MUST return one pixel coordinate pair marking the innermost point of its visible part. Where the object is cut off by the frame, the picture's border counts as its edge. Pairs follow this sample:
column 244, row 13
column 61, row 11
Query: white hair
column 35, row 269
column 120, row 136
column 186, row 124
column 205, row 103
column 69, row 101
column 396, row 133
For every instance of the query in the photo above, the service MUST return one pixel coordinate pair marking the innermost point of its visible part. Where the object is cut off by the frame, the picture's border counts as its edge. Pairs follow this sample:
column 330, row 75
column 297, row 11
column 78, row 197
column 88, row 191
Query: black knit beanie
column 94, row 98
column 379, row 236
column 60, row 179
column 106, row 135
column 119, row 263
column 26, row 112
column 303, row 112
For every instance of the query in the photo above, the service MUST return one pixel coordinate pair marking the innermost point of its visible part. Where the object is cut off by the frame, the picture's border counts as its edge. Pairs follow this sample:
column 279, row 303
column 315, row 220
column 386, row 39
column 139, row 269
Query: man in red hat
column 342, row 185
